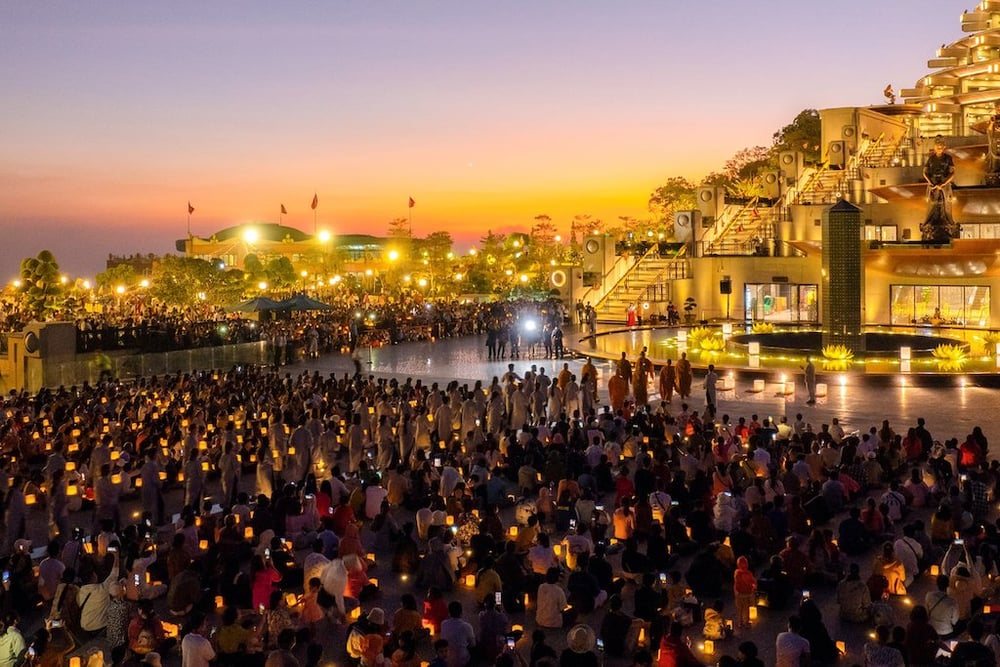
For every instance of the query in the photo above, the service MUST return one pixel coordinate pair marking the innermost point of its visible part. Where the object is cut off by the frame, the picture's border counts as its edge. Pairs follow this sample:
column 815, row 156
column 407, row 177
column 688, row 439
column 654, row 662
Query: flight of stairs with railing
column 650, row 275
column 746, row 230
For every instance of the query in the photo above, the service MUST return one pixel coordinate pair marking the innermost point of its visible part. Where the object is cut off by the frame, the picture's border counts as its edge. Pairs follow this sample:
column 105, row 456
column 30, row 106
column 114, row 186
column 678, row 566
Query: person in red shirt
column 624, row 488
column 674, row 651
column 970, row 454
column 794, row 562
column 435, row 610
column 341, row 517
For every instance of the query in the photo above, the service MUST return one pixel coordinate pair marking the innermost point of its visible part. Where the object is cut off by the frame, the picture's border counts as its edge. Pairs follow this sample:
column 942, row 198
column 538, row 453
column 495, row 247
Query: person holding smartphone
column 494, row 626
column 94, row 597
column 488, row 582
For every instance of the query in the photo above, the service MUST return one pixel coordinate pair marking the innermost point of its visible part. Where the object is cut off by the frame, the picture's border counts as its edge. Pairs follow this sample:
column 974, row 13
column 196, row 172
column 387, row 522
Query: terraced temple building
column 768, row 253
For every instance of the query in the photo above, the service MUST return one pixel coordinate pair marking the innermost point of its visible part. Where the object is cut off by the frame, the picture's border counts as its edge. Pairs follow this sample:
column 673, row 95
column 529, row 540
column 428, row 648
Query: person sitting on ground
column 853, row 597
column 942, row 610
column 973, row 652
column 615, row 627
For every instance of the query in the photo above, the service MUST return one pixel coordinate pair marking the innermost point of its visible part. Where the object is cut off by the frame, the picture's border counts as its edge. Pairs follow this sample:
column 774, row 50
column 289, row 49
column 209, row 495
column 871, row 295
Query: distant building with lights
column 267, row 240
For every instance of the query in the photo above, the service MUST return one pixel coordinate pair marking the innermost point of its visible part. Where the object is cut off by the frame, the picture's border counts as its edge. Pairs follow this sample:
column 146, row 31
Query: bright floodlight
column 120, row 289
column 530, row 325
column 524, row 277
column 324, row 236
column 262, row 285
column 144, row 283
column 393, row 255
column 250, row 235
column 422, row 282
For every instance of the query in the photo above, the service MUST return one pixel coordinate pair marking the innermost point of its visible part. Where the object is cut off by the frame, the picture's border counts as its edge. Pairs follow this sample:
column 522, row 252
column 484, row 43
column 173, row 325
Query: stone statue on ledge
column 939, row 171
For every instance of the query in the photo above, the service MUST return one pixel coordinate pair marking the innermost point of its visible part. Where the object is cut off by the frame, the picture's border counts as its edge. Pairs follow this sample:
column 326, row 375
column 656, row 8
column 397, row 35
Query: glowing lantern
column 248, row 533
column 470, row 580
column 753, row 613
column 219, row 602
column 842, row 648
column 30, row 499
column 449, row 520
column 512, row 531
column 709, row 647
column 203, row 545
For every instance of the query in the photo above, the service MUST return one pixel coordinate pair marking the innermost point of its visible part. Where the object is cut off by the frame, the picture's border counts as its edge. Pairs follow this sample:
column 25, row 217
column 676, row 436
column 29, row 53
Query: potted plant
column 689, row 307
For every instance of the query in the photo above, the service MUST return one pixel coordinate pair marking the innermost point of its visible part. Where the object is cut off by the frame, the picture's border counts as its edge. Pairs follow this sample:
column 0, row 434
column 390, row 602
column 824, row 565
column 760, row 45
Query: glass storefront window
column 781, row 302
column 940, row 305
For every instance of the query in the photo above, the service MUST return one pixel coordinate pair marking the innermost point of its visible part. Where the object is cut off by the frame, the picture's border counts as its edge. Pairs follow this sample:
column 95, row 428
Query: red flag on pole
column 283, row 211
column 412, row 203
column 315, row 201
column 190, row 208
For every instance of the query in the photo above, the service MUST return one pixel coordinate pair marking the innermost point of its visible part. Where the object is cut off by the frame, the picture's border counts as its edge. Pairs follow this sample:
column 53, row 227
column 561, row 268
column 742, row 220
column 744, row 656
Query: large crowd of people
column 523, row 520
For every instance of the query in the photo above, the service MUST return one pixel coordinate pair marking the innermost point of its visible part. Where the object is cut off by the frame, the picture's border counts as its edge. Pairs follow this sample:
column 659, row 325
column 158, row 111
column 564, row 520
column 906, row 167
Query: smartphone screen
column 498, row 597
column 510, row 643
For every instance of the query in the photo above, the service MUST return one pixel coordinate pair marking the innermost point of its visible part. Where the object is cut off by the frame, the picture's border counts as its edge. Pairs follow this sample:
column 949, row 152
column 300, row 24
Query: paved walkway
column 949, row 411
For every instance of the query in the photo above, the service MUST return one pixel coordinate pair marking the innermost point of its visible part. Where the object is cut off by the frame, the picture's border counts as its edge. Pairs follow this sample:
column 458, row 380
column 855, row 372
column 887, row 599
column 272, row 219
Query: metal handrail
column 626, row 275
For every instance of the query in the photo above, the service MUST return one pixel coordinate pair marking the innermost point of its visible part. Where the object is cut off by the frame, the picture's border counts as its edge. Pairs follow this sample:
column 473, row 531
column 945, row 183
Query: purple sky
column 116, row 114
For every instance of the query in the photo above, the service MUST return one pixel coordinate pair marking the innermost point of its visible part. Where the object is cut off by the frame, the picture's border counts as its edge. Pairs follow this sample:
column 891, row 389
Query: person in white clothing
column 196, row 650
column 551, row 601
column 791, row 648
column 909, row 552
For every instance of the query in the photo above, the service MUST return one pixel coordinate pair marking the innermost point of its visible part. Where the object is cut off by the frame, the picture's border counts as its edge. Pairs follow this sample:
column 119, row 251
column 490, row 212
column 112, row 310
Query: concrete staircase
column 645, row 281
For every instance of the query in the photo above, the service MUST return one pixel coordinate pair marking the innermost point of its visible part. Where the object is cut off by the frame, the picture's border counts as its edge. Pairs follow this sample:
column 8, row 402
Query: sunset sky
column 116, row 114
